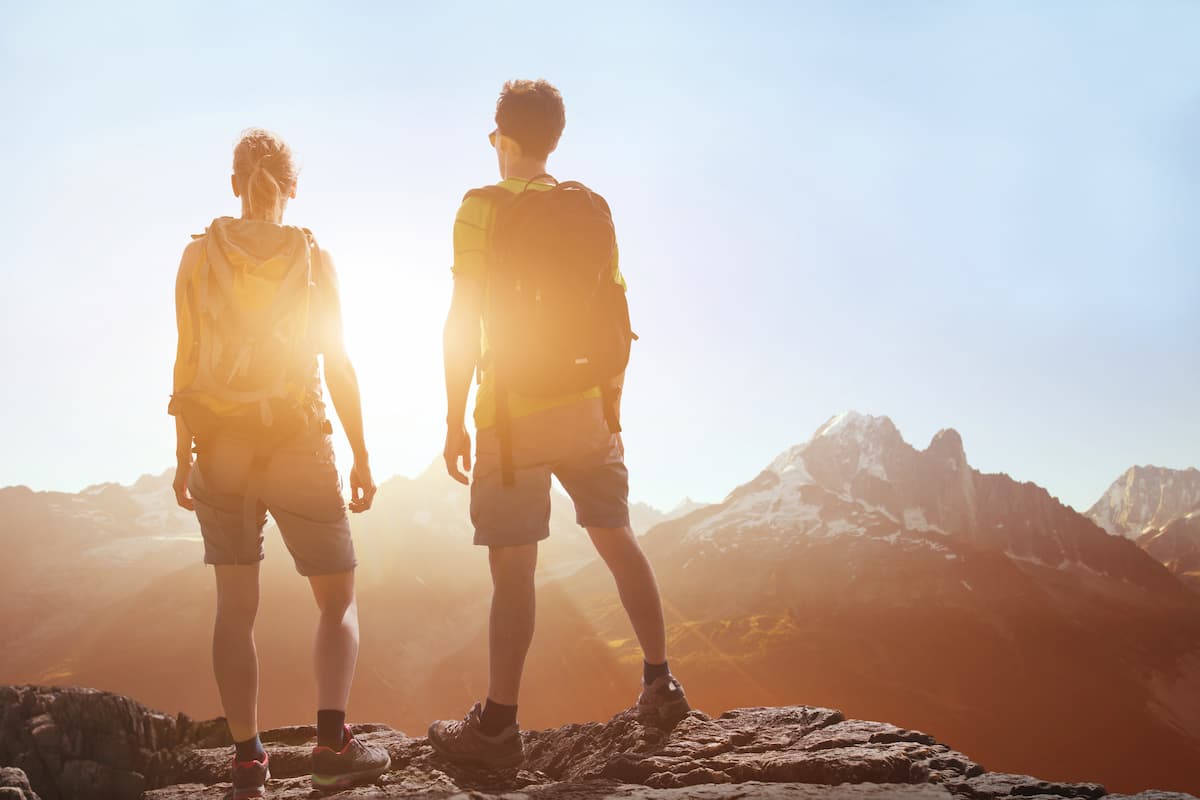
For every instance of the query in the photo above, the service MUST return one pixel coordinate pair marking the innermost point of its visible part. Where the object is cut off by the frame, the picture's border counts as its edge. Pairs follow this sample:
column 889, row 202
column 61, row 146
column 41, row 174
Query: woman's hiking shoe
column 249, row 779
column 354, row 763
column 665, row 699
column 464, row 742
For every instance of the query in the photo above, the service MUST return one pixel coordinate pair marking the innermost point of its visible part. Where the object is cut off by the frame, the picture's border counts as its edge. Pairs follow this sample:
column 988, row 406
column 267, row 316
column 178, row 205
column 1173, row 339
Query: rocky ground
column 80, row 743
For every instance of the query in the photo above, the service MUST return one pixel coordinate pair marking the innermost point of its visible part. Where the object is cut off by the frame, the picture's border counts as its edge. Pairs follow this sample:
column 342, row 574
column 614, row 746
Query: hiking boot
column 464, row 742
column 665, row 699
column 249, row 779
column 354, row 763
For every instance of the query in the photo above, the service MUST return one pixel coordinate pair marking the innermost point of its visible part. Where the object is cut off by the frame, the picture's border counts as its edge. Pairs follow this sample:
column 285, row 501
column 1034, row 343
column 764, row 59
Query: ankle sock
column 652, row 672
column 249, row 750
column 496, row 717
column 331, row 725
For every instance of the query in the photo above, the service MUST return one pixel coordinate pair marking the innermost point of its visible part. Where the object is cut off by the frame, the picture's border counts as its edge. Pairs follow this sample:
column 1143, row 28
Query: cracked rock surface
column 80, row 743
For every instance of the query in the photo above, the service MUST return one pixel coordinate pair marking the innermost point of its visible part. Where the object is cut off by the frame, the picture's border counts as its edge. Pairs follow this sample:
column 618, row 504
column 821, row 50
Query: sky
column 971, row 215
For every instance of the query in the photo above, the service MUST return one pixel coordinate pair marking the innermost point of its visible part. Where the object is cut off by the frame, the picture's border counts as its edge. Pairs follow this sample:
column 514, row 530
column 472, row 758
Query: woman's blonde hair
column 265, row 171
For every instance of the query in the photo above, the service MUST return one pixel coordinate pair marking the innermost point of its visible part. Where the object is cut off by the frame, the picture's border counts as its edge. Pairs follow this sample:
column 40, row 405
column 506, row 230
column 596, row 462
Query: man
column 571, row 436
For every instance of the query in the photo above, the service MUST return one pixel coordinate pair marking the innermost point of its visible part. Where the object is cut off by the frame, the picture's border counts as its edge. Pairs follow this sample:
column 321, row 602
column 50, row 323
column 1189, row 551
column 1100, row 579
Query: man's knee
column 615, row 543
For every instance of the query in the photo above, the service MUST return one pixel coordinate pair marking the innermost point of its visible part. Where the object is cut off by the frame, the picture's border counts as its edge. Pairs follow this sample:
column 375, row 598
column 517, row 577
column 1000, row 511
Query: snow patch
column 914, row 519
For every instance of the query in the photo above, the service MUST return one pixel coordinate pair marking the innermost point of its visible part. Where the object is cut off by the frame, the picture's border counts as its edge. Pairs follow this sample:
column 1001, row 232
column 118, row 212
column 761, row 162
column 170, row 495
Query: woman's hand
column 458, row 446
column 362, row 486
column 183, row 468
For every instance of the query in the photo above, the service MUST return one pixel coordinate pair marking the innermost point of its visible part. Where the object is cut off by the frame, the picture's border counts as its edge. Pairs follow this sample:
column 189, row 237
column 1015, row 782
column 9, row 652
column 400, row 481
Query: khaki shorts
column 570, row 442
column 299, row 485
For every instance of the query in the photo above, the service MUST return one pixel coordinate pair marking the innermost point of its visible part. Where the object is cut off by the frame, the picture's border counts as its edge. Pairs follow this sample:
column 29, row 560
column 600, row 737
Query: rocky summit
column 81, row 743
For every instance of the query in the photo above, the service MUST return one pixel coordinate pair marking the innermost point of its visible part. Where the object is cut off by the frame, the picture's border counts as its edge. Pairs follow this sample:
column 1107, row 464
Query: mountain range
column 855, row 571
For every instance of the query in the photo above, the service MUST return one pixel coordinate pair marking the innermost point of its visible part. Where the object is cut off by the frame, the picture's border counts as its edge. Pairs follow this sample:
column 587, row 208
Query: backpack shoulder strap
column 596, row 198
column 492, row 192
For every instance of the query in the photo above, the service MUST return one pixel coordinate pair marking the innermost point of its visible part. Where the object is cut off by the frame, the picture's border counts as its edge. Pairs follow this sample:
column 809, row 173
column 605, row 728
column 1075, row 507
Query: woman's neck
column 276, row 218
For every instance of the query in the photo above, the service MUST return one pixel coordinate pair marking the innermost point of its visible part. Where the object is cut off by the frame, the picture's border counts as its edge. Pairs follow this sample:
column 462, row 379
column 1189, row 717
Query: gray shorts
column 571, row 442
column 299, row 485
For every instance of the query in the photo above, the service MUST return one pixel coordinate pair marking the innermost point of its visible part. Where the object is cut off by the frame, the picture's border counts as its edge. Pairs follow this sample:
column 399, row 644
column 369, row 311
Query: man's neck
column 525, row 170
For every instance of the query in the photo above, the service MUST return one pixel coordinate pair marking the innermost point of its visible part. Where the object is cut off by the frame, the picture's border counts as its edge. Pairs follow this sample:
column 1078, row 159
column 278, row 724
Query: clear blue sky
column 969, row 215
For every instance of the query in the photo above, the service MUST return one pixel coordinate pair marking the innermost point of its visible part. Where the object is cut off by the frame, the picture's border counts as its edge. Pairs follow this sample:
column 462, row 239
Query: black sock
column 331, row 725
column 249, row 750
column 496, row 717
column 652, row 672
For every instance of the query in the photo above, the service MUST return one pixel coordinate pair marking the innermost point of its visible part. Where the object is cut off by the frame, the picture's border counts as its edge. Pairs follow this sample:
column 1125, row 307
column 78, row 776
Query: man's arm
column 342, row 381
column 460, row 354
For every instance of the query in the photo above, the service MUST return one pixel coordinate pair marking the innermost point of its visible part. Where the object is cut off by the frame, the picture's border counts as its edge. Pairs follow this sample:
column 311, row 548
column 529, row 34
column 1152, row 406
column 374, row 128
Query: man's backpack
column 555, row 320
column 251, row 355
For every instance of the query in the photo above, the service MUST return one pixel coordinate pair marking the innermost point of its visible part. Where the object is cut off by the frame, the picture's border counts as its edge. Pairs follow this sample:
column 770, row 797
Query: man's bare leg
column 510, row 630
column 636, row 586
column 490, row 737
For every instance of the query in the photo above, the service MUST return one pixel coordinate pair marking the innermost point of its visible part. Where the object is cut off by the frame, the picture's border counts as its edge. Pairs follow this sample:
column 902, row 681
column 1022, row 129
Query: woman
column 256, row 302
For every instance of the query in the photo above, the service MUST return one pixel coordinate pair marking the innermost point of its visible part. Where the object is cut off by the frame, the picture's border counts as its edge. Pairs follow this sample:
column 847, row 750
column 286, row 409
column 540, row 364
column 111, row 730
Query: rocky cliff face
column 1146, row 497
column 79, row 743
column 1177, row 546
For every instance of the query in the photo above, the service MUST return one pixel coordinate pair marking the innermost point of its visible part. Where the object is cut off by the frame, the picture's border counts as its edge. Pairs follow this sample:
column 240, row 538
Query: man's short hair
column 531, row 113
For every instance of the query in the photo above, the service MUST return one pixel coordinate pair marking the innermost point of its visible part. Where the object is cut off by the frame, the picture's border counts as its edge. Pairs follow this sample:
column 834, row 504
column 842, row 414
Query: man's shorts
column 299, row 485
column 571, row 442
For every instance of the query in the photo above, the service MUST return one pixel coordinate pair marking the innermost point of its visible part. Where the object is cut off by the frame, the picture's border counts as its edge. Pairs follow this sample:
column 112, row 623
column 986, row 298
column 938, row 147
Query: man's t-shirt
column 472, row 229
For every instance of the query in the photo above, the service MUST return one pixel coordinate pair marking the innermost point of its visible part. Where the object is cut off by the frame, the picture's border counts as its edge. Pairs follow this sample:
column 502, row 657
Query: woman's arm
column 183, row 436
column 342, row 381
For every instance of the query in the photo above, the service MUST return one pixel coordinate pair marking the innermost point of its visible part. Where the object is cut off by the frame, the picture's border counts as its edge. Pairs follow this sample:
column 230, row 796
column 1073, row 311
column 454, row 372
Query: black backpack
column 556, row 321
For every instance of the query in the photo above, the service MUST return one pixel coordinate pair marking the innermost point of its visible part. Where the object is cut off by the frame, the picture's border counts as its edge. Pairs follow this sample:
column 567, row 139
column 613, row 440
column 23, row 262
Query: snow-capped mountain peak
column 855, row 425
column 857, row 480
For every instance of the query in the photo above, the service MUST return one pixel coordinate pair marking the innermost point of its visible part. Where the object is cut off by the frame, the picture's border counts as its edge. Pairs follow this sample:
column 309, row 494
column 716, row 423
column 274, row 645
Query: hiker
column 256, row 302
column 539, row 309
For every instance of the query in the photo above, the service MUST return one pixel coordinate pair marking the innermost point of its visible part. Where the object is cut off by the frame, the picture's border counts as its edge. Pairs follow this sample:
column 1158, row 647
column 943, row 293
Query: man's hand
column 362, row 486
column 458, row 445
column 183, row 468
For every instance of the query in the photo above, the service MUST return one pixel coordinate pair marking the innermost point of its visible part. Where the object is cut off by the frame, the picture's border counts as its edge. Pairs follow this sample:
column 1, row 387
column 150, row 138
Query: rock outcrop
column 14, row 785
column 80, row 743
column 1177, row 546
column 1145, row 498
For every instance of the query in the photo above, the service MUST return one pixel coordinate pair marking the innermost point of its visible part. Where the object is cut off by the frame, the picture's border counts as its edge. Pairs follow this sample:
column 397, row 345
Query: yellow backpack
column 250, row 354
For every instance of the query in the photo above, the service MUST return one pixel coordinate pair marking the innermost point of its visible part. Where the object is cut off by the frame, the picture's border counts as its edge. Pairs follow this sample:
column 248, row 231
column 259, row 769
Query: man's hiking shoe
column 249, row 779
column 354, row 763
column 464, row 742
column 665, row 699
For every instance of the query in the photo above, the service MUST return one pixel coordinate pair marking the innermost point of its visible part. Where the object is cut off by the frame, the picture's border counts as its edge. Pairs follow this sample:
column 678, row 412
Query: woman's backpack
column 252, row 358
